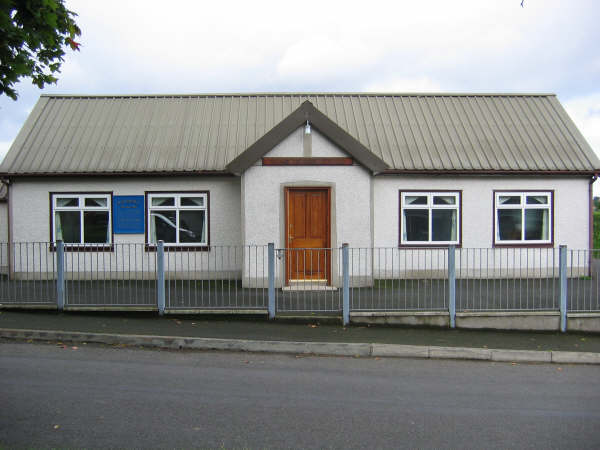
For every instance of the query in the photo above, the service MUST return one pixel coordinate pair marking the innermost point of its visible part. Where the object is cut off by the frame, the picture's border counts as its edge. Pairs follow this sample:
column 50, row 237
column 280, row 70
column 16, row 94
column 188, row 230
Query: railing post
column 452, row 285
column 160, row 277
column 562, row 270
column 60, row 275
column 345, row 285
column 271, row 255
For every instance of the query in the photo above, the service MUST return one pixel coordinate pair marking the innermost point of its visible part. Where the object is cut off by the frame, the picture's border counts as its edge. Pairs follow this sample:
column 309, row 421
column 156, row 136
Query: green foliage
column 597, row 230
column 596, row 203
column 33, row 35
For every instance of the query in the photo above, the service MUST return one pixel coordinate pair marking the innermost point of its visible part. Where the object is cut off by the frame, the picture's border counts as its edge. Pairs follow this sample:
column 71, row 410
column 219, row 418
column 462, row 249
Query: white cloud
column 585, row 112
column 4, row 147
column 321, row 57
column 418, row 84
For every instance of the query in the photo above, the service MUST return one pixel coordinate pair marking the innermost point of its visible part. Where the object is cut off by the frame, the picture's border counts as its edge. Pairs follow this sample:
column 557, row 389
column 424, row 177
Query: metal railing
column 122, row 277
column 286, row 281
column 583, row 288
column 393, row 279
column 27, row 274
column 224, row 278
column 507, row 279
column 308, row 280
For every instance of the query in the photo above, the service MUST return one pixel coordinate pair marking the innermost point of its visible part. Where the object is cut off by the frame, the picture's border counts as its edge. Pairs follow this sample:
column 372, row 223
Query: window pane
column 71, row 201
column 191, row 226
column 97, row 202
column 509, row 200
column 443, row 225
column 95, row 227
column 192, row 201
column 444, row 200
column 163, row 201
column 536, row 225
column 67, row 227
column 162, row 226
column 415, row 200
column 416, row 224
column 509, row 224
column 537, row 199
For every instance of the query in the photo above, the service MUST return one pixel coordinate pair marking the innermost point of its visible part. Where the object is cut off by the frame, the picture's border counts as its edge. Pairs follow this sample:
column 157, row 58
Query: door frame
column 286, row 200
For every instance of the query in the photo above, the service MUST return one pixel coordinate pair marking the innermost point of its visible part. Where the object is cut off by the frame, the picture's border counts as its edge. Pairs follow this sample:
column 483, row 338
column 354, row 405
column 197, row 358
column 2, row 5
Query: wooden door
column 307, row 234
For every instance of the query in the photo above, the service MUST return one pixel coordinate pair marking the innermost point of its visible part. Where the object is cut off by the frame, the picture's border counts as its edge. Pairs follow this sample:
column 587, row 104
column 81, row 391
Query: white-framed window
column 429, row 218
column 81, row 218
column 523, row 217
column 178, row 218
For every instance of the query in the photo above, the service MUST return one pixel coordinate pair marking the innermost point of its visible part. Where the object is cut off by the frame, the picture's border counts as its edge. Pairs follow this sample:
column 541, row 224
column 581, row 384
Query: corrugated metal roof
column 409, row 132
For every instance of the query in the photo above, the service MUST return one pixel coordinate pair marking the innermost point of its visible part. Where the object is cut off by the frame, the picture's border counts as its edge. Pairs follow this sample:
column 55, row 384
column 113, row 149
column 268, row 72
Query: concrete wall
column 30, row 223
column 571, row 228
column 293, row 146
column 31, row 206
column 249, row 210
column 263, row 190
column 3, row 222
column 571, row 220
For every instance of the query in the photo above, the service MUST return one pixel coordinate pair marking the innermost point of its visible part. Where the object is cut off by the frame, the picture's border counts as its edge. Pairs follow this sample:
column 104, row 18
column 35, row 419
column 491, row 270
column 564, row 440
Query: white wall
column 3, row 221
column 292, row 146
column 571, row 228
column 31, row 205
column 263, row 195
column 31, row 223
column 571, row 211
column 263, row 190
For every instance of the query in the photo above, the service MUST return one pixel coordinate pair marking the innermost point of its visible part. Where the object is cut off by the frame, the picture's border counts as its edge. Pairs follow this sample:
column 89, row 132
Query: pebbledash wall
column 570, row 226
column 263, row 193
column 249, row 211
column 365, row 214
column 31, row 205
column 31, row 223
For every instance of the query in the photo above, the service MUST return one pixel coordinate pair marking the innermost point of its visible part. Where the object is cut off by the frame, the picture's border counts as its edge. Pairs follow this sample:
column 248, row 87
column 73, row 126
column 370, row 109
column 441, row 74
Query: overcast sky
column 147, row 46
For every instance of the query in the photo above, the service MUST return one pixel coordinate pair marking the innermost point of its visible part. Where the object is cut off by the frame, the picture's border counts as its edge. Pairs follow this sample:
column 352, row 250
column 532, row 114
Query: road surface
column 95, row 396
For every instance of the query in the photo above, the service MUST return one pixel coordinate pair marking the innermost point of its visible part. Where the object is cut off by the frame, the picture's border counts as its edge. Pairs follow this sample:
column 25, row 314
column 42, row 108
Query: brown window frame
column 458, row 244
column 150, row 247
column 82, row 247
column 524, row 244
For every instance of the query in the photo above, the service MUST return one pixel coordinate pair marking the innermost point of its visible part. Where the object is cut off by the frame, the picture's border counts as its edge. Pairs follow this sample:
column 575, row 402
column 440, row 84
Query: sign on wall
column 128, row 214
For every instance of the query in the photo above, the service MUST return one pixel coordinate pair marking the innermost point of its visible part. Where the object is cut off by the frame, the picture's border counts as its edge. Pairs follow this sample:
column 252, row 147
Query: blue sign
column 128, row 214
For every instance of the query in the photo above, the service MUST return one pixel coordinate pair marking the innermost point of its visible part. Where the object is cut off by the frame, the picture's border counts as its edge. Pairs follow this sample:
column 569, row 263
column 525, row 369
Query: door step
column 308, row 285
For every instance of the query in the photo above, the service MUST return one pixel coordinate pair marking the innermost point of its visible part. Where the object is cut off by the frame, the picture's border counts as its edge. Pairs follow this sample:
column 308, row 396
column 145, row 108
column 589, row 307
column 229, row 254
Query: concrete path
column 259, row 335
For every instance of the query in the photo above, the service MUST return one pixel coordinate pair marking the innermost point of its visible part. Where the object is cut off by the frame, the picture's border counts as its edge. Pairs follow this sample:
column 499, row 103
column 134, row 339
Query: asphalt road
column 52, row 396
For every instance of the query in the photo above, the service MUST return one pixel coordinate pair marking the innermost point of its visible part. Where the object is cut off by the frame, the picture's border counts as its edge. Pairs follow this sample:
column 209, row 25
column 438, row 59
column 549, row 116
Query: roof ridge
column 308, row 94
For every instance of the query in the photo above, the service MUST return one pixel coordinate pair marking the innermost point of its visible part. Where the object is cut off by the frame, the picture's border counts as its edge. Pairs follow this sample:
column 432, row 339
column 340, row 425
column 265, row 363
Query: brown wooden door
column 307, row 230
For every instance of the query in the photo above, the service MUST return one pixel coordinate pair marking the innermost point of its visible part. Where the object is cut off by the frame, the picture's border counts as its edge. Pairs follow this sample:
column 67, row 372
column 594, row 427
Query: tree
column 33, row 38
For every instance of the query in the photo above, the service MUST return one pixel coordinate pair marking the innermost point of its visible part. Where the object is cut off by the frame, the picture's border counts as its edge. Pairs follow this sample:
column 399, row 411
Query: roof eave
column 590, row 172
column 162, row 173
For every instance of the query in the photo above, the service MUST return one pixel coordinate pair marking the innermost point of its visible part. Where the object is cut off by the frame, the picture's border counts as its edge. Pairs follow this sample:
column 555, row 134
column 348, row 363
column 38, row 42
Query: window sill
column 524, row 245
column 409, row 246
column 179, row 248
column 85, row 248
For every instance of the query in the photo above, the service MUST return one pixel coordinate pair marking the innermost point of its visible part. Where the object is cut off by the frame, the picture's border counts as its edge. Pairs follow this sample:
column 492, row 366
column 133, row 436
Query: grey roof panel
column 191, row 133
